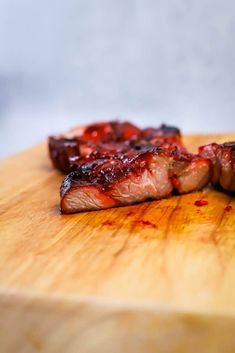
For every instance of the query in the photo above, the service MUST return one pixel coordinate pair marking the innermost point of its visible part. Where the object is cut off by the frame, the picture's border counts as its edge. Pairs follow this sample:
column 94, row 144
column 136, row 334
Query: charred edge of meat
column 61, row 150
column 170, row 130
column 151, row 173
column 64, row 151
column 104, row 169
column 222, row 157
column 105, row 138
column 162, row 131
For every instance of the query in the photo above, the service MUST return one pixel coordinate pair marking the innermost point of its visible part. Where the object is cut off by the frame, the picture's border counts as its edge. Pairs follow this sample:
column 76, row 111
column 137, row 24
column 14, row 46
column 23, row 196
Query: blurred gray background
column 64, row 63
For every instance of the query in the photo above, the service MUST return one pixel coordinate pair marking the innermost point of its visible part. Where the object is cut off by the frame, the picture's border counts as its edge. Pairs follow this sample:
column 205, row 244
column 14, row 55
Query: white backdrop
column 151, row 61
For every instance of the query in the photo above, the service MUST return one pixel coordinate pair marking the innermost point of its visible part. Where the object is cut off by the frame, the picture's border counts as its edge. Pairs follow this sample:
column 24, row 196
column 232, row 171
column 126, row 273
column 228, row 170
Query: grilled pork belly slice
column 123, row 179
column 222, row 157
column 66, row 149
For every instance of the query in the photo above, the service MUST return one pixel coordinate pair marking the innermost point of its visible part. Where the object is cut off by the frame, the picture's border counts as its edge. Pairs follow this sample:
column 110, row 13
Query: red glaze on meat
column 106, row 137
column 116, row 164
column 222, row 158
column 128, row 178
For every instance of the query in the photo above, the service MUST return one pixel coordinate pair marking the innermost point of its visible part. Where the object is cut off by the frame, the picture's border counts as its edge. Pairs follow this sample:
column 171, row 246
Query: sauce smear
column 146, row 223
column 200, row 203
column 108, row 223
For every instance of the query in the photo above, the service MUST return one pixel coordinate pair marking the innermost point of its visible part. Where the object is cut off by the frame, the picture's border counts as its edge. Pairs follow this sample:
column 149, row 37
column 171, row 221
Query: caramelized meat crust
column 110, row 137
column 116, row 163
column 127, row 178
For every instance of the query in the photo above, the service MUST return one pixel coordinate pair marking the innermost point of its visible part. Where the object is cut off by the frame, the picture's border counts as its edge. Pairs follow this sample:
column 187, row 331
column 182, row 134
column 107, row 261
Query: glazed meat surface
column 106, row 138
column 222, row 159
column 128, row 178
column 116, row 163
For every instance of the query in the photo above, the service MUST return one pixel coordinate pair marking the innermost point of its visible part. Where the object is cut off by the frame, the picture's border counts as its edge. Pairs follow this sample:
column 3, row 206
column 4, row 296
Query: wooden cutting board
column 154, row 277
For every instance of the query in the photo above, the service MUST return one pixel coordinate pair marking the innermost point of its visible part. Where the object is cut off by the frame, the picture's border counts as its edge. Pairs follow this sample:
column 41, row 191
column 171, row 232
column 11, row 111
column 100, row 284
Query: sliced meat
column 222, row 158
column 65, row 150
column 128, row 178
column 114, row 164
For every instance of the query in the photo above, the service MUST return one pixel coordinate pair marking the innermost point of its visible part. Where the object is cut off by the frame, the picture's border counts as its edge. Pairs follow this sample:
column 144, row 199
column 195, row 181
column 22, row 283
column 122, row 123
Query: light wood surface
column 153, row 277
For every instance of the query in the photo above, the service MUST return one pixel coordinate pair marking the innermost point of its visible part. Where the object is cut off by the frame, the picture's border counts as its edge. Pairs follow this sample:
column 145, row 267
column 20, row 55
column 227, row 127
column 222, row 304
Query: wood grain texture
column 117, row 280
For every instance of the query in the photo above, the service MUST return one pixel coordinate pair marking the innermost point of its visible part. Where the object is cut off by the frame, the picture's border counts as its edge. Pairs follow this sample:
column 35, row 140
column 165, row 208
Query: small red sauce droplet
column 108, row 223
column 129, row 213
column 228, row 208
column 200, row 203
column 175, row 182
column 146, row 223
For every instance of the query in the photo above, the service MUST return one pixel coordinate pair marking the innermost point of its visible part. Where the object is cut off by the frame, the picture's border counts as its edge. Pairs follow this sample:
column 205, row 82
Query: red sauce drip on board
column 108, row 223
column 146, row 223
column 228, row 208
column 200, row 203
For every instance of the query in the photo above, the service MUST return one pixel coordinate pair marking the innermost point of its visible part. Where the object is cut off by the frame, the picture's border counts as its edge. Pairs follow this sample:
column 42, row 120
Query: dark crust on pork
column 102, row 155
column 61, row 150
column 162, row 131
column 106, row 137
column 104, row 170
